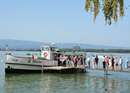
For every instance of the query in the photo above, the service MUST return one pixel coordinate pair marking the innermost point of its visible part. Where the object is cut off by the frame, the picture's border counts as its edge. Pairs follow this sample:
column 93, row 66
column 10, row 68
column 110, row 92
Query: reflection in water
column 44, row 83
column 110, row 8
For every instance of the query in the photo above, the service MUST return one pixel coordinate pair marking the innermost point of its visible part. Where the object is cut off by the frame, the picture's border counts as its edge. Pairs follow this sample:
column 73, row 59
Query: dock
column 107, row 70
column 64, row 69
column 77, row 69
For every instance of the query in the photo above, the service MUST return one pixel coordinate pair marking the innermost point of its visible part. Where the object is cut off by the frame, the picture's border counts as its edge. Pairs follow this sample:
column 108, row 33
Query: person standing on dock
column 88, row 61
column 55, row 57
column 110, row 63
column 60, row 60
column 64, row 61
column 75, row 61
column 68, row 59
column 96, row 62
column 72, row 60
column 116, row 63
column 120, row 62
column 81, row 60
column 103, row 61
column 84, row 59
column 112, row 60
column 107, row 61
column 93, row 60
column 127, row 64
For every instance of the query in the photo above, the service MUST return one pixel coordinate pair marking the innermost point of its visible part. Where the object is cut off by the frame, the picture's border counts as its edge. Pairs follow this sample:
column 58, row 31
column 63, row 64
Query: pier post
column 105, row 72
column 42, row 66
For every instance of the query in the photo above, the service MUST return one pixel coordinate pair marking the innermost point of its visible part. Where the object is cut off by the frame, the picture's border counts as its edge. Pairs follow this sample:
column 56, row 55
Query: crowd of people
column 72, row 60
column 111, row 63
column 107, row 62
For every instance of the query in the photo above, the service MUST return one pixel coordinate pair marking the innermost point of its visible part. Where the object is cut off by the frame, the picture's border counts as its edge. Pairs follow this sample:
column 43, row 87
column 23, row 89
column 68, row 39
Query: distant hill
column 20, row 44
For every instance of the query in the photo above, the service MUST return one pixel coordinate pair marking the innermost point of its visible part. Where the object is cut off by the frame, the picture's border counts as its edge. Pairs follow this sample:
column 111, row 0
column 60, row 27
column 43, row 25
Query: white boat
column 27, row 64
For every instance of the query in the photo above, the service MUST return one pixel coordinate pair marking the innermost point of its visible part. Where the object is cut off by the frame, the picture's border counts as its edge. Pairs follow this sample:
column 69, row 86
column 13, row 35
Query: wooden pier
column 107, row 70
column 77, row 69
column 64, row 69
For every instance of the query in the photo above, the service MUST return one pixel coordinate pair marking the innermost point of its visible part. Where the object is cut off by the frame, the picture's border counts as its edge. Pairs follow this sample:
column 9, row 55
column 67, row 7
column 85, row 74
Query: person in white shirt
column 61, row 60
column 120, row 62
column 88, row 61
column 64, row 61
column 93, row 60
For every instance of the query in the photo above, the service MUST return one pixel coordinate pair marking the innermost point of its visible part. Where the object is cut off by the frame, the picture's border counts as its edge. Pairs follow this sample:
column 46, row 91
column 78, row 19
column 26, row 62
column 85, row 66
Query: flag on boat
column 6, row 45
column 85, row 52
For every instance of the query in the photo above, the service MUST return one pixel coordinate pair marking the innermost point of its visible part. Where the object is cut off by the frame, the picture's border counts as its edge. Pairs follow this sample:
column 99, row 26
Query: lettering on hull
column 14, row 59
column 36, row 61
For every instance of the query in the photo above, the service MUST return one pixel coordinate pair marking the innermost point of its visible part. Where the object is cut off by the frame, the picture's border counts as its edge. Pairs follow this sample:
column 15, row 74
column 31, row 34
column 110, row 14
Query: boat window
column 47, row 48
column 42, row 48
column 53, row 49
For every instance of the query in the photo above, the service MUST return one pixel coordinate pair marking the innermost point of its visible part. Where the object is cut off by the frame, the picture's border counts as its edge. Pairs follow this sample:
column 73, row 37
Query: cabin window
column 43, row 48
column 47, row 48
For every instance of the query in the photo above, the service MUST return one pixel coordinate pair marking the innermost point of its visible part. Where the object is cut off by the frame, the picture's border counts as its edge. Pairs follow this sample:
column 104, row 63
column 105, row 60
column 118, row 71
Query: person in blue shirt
column 55, row 57
column 127, row 64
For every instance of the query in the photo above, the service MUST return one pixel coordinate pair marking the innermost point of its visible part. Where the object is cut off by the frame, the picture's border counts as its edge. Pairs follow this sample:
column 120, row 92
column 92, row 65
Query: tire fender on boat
column 45, row 54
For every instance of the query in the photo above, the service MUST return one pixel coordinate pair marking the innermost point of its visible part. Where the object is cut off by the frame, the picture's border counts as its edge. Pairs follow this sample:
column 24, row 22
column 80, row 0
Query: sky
column 61, row 21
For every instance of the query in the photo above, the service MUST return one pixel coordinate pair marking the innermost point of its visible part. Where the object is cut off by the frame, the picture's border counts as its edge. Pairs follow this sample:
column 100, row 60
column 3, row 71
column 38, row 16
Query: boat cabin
column 48, row 52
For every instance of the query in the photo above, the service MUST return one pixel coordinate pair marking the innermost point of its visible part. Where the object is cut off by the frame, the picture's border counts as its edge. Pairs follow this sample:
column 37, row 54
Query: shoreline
column 127, row 51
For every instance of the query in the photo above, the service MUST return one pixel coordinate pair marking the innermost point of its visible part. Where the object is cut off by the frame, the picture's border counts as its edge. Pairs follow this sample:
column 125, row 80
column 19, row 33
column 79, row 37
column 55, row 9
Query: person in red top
column 33, row 56
column 107, row 61
column 75, row 61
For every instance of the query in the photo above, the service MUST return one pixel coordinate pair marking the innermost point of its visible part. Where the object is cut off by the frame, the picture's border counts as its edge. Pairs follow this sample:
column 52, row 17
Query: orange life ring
column 45, row 54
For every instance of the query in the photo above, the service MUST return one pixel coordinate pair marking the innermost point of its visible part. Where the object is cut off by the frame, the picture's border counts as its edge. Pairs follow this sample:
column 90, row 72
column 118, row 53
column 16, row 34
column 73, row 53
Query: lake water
column 92, row 81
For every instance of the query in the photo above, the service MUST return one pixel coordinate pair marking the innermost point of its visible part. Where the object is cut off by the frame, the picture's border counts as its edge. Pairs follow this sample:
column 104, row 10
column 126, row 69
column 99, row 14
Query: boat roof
column 48, row 46
column 69, row 53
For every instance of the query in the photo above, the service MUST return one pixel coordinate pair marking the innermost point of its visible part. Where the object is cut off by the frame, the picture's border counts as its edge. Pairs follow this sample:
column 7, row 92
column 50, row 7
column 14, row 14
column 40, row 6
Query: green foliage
column 110, row 9
column 100, row 50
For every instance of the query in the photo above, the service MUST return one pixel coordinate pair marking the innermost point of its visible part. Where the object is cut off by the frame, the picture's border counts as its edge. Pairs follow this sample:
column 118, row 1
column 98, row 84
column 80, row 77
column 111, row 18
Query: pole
column 42, row 66
column 83, row 64
column 6, row 48
column 105, row 72
column 62, row 46
column 53, row 63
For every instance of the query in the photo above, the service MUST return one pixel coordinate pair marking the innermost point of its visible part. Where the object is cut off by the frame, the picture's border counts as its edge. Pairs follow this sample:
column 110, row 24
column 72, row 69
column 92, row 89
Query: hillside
column 20, row 44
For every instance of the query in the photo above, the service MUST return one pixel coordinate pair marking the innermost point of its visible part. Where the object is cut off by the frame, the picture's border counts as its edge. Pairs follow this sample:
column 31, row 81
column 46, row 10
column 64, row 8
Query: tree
column 110, row 9
column 76, row 48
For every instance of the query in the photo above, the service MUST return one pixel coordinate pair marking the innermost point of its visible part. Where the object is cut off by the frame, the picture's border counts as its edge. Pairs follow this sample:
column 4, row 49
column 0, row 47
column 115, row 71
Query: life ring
column 45, row 54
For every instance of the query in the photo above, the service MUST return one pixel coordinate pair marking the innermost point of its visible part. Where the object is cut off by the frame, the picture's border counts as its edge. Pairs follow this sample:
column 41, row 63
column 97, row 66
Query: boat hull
column 25, row 64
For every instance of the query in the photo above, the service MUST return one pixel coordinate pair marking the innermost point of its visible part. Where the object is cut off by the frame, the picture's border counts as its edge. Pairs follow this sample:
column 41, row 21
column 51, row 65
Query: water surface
column 92, row 81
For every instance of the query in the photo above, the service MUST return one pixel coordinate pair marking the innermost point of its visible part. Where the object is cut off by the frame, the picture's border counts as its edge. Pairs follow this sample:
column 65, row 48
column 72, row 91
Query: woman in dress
column 110, row 63
column 116, row 63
